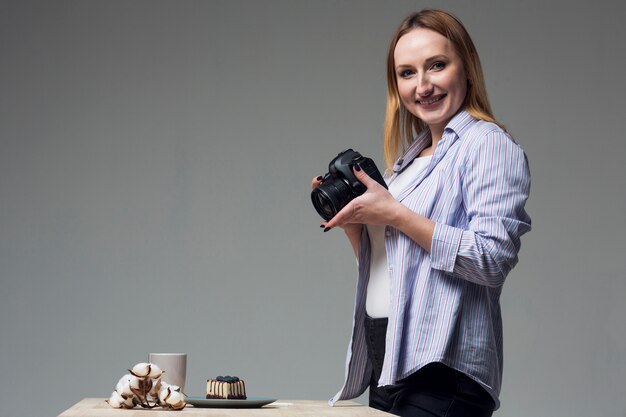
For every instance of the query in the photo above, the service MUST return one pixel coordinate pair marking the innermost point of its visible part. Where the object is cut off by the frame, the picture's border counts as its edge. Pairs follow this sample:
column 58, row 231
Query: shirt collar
column 457, row 125
column 460, row 122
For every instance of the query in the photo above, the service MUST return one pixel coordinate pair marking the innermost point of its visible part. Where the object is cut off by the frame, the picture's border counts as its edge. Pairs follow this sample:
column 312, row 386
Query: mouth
column 431, row 101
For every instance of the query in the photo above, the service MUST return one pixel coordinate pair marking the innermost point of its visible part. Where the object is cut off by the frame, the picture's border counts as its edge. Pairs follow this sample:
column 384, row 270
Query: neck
column 434, row 138
column 435, row 134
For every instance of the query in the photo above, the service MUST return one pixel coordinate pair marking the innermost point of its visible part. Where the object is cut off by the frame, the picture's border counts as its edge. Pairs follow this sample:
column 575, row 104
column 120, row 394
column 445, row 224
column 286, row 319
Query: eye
column 438, row 66
column 406, row 73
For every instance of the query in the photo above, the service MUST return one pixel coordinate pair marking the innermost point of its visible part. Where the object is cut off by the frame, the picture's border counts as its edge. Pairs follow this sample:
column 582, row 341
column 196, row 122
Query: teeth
column 430, row 101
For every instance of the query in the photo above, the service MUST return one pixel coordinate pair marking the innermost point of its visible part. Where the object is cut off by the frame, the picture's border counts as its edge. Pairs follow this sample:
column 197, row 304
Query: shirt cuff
column 445, row 246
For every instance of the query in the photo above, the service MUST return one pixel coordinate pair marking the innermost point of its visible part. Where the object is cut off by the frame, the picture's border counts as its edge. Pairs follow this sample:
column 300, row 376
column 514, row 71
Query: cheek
column 458, row 86
column 461, row 91
column 406, row 92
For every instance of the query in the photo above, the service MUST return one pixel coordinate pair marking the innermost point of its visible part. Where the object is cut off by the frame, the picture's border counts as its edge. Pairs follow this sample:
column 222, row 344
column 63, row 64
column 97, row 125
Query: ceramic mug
column 174, row 366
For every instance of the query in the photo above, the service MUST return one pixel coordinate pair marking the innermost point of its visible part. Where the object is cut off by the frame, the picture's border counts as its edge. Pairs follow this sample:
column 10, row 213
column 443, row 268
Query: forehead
column 421, row 44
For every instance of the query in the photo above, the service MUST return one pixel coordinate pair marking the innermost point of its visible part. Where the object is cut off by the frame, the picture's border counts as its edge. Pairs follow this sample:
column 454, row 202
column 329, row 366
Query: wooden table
column 97, row 407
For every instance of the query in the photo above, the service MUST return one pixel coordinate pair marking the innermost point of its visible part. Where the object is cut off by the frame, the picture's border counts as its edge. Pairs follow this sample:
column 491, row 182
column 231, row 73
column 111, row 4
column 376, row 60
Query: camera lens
column 330, row 197
column 323, row 206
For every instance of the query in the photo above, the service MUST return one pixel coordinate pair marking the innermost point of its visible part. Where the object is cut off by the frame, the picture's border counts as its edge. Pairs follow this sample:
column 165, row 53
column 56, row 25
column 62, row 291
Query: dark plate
column 250, row 402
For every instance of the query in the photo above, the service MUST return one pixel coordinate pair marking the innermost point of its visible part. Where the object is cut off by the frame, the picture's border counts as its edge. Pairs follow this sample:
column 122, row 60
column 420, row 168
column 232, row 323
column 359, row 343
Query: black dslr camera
column 340, row 185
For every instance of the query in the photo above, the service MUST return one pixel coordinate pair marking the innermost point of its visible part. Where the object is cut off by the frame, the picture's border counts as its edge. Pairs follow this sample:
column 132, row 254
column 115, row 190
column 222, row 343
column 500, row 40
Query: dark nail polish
column 357, row 167
column 319, row 178
column 327, row 229
column 321, row 225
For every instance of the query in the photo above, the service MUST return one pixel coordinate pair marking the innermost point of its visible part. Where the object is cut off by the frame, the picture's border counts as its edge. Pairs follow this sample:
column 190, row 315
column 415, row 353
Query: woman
column 435, row 249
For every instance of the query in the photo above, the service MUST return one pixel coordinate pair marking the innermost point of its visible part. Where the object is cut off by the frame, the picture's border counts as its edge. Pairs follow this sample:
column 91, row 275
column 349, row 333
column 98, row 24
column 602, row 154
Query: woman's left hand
column 376, row 206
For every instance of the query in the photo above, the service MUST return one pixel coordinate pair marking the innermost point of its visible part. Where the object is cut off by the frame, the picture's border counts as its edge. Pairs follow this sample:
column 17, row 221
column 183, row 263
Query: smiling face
column 432, row 81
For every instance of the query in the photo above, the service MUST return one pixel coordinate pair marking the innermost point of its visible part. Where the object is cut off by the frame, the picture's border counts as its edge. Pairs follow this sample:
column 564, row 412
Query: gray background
column 155, row 164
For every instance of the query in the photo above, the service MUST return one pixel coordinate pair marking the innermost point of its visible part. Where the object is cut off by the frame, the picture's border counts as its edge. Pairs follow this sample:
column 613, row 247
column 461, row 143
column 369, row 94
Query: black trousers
column 435, row 390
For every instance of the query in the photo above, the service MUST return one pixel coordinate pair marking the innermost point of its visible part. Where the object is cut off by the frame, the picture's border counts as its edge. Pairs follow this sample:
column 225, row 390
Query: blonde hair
column 400, row 124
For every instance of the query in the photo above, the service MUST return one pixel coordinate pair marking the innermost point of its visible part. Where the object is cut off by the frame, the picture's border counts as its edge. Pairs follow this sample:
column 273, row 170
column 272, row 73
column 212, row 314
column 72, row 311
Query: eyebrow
column 437, row 58
column 428, row 60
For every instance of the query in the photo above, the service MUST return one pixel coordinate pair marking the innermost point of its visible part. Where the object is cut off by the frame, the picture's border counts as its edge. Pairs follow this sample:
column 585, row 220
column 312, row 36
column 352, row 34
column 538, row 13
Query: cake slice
column 226, row 387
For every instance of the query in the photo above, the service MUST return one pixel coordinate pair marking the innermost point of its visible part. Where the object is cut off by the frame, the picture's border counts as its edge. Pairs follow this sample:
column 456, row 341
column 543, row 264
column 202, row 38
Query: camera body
column 340, row 186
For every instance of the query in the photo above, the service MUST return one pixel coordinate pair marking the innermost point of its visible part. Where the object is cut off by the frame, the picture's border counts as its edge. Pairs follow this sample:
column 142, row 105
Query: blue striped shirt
column 445, row 304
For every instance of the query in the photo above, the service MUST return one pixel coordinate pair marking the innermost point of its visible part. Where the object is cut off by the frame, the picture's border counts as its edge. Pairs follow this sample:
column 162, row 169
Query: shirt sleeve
column 495, row 187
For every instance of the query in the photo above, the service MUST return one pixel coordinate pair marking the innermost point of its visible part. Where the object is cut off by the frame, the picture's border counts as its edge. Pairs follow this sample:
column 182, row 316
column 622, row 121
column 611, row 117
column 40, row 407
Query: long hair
column 400, row 124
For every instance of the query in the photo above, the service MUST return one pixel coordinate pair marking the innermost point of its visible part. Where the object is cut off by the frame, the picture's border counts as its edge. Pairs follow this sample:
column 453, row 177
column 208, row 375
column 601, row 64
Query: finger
column 363, row 177
column 341, row 218
column 315, row 182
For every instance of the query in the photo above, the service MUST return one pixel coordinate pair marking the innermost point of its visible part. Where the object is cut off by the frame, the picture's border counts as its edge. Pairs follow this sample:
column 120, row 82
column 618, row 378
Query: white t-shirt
column 378, row 287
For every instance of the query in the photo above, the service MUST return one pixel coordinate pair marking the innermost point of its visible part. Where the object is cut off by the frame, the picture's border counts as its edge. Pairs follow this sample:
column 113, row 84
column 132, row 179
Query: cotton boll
column 178, row 406
column 155, row 371
column 156, row 387
column 146, row 385
column 134, row 382
column 131, row 402
column 164, row 394
column 136, row 386
column 123, row 385
column 141, row 370
column 175, row 398
column 124, row 389
column 117, row 400
column 141, row 387
column 144, row 382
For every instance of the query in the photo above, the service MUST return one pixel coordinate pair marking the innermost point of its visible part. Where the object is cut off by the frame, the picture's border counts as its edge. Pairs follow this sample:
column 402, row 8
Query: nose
column 423, row 86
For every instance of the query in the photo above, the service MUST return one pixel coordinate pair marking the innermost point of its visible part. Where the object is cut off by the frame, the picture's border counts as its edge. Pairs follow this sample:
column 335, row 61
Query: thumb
column 362, row 176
